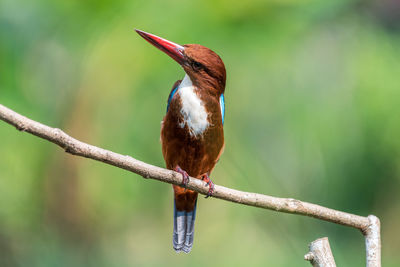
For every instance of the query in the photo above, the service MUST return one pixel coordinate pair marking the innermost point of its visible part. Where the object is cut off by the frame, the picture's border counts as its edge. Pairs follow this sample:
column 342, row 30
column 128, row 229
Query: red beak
column 171, row 49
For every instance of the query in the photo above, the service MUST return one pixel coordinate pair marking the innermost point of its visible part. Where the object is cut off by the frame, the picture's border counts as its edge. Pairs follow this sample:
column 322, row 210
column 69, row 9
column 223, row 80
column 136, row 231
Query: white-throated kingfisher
column 192, row 134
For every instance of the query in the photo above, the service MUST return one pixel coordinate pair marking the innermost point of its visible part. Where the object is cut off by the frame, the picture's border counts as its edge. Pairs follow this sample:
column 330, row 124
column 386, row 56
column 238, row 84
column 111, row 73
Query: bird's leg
column 185, row 176
column 206, row 178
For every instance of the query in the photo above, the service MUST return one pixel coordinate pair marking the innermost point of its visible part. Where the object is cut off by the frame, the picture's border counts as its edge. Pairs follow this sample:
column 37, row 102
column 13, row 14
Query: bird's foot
column 207, row 179
column 185, row 176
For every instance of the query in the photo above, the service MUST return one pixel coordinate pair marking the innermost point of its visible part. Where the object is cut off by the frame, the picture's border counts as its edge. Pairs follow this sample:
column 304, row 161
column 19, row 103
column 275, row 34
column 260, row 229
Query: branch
column 370, row 228
column 373, row 241
column 320, row 254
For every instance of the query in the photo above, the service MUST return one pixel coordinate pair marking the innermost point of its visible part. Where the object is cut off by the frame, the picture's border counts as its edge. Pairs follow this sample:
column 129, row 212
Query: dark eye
column 196, row 65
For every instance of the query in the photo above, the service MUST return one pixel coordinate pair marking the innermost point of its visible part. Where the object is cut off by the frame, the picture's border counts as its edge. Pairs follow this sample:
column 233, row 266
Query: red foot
column 207, row 179
column 185, row 176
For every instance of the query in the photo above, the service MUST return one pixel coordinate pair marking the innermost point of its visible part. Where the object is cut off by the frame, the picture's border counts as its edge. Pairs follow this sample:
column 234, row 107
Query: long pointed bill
column 173, row 50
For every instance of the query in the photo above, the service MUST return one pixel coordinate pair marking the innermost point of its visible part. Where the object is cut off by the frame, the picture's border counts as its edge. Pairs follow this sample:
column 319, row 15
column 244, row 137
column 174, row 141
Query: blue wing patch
column 171, row 95
column 222, row 105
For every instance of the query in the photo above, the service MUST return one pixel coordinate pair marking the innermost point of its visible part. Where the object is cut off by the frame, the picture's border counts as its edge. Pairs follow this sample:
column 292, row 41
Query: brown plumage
column 197, row 155
column 192, row 134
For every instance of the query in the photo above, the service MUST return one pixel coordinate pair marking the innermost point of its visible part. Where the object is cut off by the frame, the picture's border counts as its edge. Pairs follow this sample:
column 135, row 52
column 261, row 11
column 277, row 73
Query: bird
column 192, row 134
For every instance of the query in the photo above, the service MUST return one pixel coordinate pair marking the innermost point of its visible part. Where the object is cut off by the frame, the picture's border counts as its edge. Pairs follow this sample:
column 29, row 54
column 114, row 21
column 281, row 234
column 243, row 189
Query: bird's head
column 204, row 67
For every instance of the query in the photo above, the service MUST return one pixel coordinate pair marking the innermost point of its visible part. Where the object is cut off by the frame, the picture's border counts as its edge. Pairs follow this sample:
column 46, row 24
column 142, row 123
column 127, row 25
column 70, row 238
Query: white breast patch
column 193, row 111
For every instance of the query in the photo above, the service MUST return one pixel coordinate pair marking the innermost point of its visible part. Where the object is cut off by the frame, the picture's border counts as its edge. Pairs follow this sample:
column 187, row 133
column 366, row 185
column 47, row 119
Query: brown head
column 204, row 67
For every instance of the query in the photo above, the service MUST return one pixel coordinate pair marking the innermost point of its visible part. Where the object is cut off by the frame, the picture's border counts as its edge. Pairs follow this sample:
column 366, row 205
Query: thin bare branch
column 288, row 205
column 320, row 254
column 373, row 242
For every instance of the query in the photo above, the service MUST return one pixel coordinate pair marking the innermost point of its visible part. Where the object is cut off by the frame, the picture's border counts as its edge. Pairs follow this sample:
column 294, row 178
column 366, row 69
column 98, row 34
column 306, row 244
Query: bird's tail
column 183, row 229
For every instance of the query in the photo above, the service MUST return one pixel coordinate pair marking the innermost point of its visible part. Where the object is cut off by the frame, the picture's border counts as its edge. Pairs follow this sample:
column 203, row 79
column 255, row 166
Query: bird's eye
column 196, row 65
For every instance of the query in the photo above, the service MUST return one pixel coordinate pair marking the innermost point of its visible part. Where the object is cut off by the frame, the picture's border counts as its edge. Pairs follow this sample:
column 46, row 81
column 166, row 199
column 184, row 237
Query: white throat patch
column 193, row 111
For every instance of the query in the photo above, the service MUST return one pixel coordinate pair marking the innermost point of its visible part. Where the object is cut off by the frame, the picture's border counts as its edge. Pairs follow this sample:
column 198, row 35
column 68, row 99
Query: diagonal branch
column 368, row 225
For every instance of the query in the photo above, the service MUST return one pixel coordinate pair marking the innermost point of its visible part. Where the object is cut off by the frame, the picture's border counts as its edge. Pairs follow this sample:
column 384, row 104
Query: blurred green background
column 313, row 112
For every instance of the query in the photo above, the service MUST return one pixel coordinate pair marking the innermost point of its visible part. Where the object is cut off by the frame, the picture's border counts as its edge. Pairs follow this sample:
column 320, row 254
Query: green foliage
column 312, row 112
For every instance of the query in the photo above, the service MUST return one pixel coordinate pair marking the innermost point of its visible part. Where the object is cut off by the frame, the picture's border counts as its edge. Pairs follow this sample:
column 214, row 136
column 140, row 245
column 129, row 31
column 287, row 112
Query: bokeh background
column 313, row 112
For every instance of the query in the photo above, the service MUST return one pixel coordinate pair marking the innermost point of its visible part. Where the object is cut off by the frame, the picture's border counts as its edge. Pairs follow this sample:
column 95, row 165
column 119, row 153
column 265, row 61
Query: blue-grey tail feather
column 183, row 229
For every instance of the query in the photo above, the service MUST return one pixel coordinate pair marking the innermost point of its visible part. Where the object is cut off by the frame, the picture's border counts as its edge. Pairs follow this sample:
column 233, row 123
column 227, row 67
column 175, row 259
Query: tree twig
column 373, row 241
column 320, row 254
column 368, row 225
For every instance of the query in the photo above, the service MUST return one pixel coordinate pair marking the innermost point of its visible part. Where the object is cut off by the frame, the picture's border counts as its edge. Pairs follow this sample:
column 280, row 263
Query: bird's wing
column 173, row 92
column 171, row 95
